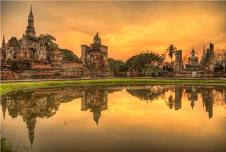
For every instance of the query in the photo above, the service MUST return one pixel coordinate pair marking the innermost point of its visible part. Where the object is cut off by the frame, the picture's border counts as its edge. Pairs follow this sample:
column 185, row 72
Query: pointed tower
column 30, row 31
column 3, row 43
column 4, row 110
column 192, row 104
column 193, row 52
column 4, row 106
column 203, row 56
column 96, row 39
column 96, row 115
column 204, row 50
column 3, row 51
column 31, row 121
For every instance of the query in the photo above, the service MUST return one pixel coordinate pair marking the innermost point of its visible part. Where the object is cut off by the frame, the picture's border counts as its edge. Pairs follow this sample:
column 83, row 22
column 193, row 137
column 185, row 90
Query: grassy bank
column 12, row 86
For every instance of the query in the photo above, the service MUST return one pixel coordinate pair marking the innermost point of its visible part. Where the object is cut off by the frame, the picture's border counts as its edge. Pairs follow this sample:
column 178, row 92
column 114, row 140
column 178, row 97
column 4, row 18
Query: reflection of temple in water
column 174, row 100
column 207, row 95
column 96, row 100
column 178, row 96
column 44, row 103
column 224, row 92
column 192, row 95
column 30, row 105
column 147, row 94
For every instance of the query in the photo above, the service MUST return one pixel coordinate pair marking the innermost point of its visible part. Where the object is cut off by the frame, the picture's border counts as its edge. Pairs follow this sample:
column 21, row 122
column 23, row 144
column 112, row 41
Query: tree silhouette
column 171, row 49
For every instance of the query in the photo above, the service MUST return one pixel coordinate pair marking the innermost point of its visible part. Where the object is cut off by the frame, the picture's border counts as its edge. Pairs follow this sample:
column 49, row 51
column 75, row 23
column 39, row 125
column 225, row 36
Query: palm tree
column 171, row 49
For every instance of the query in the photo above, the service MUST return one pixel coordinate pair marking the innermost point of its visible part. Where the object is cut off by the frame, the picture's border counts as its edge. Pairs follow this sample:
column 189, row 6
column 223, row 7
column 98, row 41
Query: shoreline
column 14, row 85
column 115, row 78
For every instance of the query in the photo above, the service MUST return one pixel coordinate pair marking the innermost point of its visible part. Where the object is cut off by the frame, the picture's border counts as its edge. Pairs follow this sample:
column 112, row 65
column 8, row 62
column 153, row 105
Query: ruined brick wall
column 198, row 74
column 75, row 71
column 72, row 65
column 41, row 66
column 9, row 75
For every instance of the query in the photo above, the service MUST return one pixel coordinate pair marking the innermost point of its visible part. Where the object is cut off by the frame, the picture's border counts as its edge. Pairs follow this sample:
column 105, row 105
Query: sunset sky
column 127, row 28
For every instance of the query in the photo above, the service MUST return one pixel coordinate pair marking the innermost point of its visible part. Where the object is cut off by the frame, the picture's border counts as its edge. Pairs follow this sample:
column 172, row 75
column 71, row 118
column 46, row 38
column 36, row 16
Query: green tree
column 151, row 70
column 69, row 56
column 144, row 61
column 147, row 94
column 47, row 39
column 117, row 66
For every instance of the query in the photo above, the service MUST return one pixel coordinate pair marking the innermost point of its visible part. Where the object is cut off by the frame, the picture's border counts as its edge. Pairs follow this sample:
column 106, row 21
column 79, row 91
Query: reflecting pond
column 116, row 118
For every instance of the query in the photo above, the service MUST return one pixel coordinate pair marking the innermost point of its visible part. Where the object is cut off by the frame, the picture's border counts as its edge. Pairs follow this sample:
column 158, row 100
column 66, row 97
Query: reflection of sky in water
column 117, row 119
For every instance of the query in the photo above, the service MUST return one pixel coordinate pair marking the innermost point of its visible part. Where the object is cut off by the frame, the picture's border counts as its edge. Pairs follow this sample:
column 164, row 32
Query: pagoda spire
column 96, row 115
column 31, row 9
column 4, row 108
column 31, row 121
column 193, row 52
column 97, row 39
column 30, row 31
column 3, row 42
column 204, row 50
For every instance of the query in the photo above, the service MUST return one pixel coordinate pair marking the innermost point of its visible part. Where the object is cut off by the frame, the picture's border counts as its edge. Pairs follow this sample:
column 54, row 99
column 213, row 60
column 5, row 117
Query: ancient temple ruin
column 35, row 56
column 178, row 60
column 95, row 57
column 194, row 68
column 208, row 58
column 193, row 64
column 30, row 49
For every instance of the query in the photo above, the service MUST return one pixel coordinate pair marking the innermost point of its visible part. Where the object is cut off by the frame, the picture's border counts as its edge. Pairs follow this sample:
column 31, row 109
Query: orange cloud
column 126, row 27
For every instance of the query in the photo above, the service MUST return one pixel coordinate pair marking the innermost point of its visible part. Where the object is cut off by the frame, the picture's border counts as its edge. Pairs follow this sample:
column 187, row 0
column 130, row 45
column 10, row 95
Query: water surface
column 120, row 118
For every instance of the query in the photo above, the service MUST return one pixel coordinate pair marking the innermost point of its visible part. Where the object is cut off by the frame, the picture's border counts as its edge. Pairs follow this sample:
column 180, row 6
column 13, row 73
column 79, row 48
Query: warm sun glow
column 127, row 28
